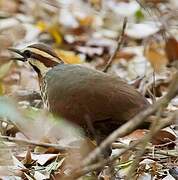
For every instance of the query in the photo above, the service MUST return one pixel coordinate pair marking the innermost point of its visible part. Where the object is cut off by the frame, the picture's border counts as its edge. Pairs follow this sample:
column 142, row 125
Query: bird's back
column 79, row 93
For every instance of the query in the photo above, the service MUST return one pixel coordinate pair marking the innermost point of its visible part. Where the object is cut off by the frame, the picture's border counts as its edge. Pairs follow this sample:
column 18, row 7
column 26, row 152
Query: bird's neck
column 42, row 73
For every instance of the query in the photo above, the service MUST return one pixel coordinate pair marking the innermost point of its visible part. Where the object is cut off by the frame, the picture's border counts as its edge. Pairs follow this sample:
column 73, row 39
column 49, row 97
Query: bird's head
column 39, row 56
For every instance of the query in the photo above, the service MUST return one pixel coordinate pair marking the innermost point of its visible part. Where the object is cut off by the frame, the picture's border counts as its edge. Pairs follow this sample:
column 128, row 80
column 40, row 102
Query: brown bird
column 87, row 97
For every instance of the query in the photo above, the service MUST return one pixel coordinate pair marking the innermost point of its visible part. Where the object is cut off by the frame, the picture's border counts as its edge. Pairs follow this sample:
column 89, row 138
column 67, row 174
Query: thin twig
column 35, row 143
column 26, row 95
column 166, row 153
column 154, row 87
column 119, row 43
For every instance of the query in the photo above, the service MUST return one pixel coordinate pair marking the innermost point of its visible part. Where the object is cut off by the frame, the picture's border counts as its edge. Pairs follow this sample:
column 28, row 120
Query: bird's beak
column 20, row 57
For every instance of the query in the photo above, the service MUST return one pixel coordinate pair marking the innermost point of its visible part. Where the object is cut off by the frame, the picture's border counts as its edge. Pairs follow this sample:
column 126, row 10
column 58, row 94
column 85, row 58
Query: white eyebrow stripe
column 43, row 53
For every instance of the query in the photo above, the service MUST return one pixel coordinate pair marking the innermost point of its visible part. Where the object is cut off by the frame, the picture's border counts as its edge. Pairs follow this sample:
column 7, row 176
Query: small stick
column 35, row 143
column 26, row 95
column 120, row 42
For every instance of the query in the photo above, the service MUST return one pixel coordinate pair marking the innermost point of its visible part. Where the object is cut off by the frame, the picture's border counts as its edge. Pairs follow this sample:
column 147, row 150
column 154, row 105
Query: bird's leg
column 97, row 134
column 107, row 151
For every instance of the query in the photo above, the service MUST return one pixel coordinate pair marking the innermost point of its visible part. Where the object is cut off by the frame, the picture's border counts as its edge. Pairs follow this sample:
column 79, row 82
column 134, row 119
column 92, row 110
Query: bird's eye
column 27, row 53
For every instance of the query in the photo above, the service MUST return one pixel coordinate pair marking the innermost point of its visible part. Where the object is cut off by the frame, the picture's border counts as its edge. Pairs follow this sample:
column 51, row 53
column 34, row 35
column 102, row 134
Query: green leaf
column 8, row 109
column 4, row 69
column 139, row 15
column 1, row 88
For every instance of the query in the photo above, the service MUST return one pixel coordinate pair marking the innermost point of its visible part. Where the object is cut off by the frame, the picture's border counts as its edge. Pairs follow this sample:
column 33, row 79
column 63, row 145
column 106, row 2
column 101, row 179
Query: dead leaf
column 155, row 2
column 174, row 172
column 126, row 156
column 5, row 155
column 135, row 135
column 106, row 174
column 168, row 177
column 28, row 159
column 125, row 55
column 43, row 158
column 12, row 29
column 124, row 8
column 85, row 146
column 142, row 30
column 17, row 163
column 9, row 6
column 163, row 137
column 52, row 29
column 90, row 51
column 86, row 21
column 69, row 57
column 40, row 176
column 6, row 42
column 28, row 177
column 155, row 54
column 97, row 4
column 171, row 49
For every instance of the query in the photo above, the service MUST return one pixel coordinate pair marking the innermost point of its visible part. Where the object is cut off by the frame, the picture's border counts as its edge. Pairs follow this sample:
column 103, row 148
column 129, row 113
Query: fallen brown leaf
column 156, row 55
column 171, row 49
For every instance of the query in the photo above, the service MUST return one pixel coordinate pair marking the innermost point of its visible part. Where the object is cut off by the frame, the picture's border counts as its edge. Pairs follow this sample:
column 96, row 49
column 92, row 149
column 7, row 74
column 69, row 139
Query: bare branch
column 35, row 143
column 27, row 95
column 119, row 43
